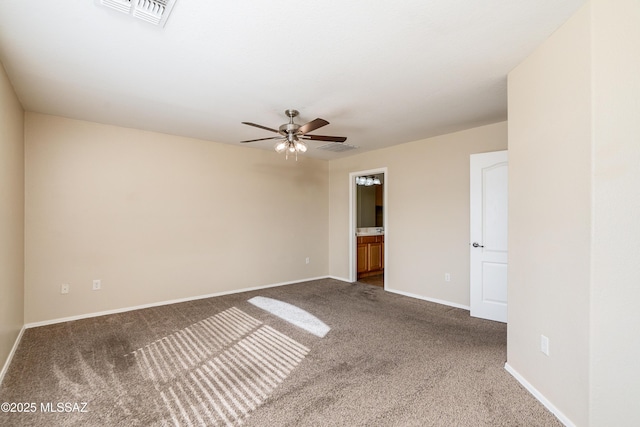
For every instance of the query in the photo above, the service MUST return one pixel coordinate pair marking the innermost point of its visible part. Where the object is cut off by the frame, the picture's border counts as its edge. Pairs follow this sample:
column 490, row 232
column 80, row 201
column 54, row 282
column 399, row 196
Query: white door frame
column 353, row 220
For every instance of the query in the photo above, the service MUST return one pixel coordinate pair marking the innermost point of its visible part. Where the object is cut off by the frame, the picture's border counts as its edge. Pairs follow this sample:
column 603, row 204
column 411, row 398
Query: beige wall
column 574, row 235
column 159, row 217
column 427, row 211
column 11, row 217
column 615, row 318
column 549, row 216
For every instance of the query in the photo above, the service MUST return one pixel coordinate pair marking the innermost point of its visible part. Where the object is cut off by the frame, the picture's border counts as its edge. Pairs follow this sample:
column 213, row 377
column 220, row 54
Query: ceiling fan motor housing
column 288, row 128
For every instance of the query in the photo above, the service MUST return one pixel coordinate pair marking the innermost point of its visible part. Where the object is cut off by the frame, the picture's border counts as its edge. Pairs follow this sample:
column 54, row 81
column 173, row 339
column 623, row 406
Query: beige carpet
column 321, row 353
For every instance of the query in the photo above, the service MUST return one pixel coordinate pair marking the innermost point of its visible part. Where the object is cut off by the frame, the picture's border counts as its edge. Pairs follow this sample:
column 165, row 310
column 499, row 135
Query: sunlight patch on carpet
column 218, row 370
column 292, row 314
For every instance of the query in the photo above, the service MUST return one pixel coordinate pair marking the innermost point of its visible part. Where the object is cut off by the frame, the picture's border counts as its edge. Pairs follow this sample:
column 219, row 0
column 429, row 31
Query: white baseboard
column 531, row 389
column 11, row 353
column 160, row 303
column 437, row 301
column 342, row 279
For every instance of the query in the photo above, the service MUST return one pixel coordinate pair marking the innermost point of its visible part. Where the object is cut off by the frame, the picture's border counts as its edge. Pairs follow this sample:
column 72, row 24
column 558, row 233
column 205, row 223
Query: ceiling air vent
column 336, row 147
column 155, row 12
column 120, row 5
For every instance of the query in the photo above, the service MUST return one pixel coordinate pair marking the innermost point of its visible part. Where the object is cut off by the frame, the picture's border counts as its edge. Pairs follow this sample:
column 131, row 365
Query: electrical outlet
column 544, row 344
column 307, row 260
column 64, row 288
column 447, row 277
column 97, row 284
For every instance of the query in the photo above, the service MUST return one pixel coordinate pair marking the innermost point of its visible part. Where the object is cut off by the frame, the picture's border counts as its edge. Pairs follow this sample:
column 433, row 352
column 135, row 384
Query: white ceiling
column 381, row 72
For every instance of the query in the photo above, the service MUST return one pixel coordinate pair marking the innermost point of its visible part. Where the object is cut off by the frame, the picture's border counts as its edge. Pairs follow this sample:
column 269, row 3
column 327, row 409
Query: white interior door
column 488, row 239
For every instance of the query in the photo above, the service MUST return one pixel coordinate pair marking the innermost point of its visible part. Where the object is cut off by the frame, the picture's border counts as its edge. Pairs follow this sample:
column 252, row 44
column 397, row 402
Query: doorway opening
column 368, row 226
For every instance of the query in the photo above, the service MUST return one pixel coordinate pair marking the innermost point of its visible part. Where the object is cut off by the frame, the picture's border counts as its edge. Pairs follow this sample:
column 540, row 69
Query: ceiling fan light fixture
column 300, row 146
column 281, row 146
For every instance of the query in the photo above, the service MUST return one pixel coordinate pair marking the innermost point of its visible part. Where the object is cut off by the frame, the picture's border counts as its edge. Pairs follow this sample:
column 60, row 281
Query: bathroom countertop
column 370, row 231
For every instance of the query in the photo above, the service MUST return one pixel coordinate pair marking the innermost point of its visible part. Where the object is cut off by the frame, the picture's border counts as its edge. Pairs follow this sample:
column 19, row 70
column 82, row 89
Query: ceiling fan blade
column 260, row 126
column 261, row 139
column 312, row 125
column 325, row 138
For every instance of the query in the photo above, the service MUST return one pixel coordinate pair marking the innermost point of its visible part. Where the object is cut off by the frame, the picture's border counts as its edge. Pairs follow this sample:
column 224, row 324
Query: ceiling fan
column 291, row 134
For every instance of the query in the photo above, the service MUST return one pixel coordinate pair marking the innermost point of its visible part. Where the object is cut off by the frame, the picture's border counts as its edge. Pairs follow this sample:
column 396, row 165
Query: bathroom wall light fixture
column 367, row 180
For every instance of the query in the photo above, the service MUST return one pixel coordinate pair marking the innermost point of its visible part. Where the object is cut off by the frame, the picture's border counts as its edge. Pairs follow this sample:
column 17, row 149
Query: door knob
column 477, row 245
